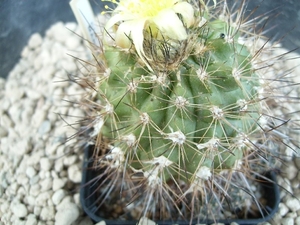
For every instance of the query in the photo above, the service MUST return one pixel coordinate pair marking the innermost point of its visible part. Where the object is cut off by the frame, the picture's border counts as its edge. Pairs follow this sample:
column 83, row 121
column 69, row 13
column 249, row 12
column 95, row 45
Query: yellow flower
column 135, row 16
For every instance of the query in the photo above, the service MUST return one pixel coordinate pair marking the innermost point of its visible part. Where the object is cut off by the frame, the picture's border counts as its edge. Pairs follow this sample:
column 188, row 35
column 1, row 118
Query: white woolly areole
column 241, row 140
column 212, row 144
column 217, row 112
column 242, row 103
column 129, row 139
column 145, row 118
column 153, row 175
column 181, row 102
column 132, row 87
column 203, row 173
column 177, row 137
column 202, row 22
column 153, row 179
column 202, row 74
column 107, row 72
column 237, row 164
column 109, row 108
column 263, row 122
column 236, row 74
column 161, row 78
column 160, row 161
column 98, row 124
column 116, row 156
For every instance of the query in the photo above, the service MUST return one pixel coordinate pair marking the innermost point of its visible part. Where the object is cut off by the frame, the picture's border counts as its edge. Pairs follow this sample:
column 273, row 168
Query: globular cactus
column 179, row 113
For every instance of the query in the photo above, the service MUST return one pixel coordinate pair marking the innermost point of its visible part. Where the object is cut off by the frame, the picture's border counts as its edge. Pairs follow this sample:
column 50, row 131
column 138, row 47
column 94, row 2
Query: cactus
column 178, row 122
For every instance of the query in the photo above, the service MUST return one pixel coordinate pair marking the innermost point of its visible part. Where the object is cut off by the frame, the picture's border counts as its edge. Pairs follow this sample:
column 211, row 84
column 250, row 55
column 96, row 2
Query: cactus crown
column 179, row 107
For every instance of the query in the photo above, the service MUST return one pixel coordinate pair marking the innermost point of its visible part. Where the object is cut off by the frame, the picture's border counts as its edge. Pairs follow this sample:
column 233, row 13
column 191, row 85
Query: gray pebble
column 58, row 196
column 35, row 41
column 46, row 184
column 30, row 172
column 6, row 121
column 297, row 162
column 41, row 199
column 66, row 214
column 293, row 204
column 47, row 213
column 34, row 190
column 70, row 160
column 44, row 128
column 3, row 132
column 74, row 173
column 46, row 163
column 19, row 210
column 282, row 209
column 58, row 183
column 35, row 179
column 103, row 223
column 31, row 220
column 37, row 210
column 22, row 147
column 287, row 221
column 290, row 170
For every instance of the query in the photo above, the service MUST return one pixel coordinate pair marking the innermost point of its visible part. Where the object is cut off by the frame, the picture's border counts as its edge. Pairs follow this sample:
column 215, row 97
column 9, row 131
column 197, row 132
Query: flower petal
column 123, row 36
column 137, row 35
column 187, row 12
column 134, row 31
column 170, row 25
column 113, row 20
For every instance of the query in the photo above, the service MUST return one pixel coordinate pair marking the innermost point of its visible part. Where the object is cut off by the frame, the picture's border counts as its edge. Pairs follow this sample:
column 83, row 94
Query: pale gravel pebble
column 46, row 184
column 297, row 162
column 287, row 221
column 47, row 213
column 70, row 160
column 46, row 163
column 22, row 147
column 44, row 128
column 3, row 132
column 76, row 198
column 37, row 210
column 142, row 221
column 282, row 209
column 290, row 170
column 58, row 196
column 31, row 220
column 58, row 183
column 292, row 203
column 67, row 213
column 19, row 209
column 34, row 190
column 30, row 172
column 35, row 41
column 103, row 223
column 42, row 198
column 86, row 221
column 74, row 173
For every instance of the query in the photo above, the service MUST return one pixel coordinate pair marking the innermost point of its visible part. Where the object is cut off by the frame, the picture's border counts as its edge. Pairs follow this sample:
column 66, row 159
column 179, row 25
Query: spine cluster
column 180, row 125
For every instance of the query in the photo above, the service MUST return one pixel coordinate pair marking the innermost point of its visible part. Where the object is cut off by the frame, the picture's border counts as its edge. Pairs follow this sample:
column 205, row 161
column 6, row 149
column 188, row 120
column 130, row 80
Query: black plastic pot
column 89, row 204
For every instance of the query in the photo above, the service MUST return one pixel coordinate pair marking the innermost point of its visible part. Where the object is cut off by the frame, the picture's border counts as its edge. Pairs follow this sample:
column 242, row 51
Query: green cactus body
column 195, row 115
column 179, row 110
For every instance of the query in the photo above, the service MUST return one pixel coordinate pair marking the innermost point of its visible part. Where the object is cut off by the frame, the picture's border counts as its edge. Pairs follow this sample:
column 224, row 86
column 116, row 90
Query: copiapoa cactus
column 181, row 120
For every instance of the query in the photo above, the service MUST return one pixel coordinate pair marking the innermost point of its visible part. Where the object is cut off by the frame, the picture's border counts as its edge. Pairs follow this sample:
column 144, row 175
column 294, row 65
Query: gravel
column 39, row 182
